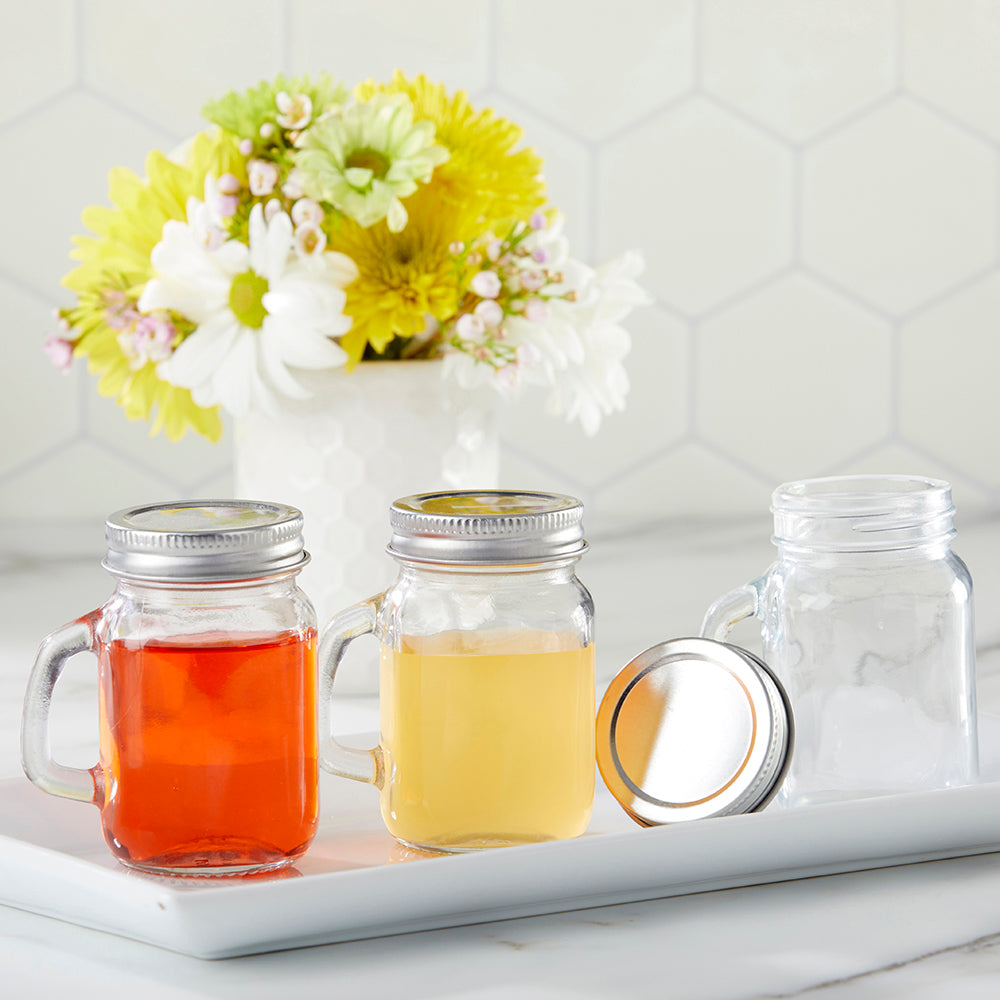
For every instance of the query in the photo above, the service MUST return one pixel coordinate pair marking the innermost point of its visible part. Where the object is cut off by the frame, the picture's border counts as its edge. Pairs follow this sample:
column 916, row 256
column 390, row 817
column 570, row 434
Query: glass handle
column 84, row 785
column 361, row 765
column 744, row 602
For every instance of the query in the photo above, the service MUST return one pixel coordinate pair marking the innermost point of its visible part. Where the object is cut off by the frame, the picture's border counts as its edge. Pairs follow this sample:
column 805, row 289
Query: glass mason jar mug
column 207, row 692
column 867, row 620
column 486, row 673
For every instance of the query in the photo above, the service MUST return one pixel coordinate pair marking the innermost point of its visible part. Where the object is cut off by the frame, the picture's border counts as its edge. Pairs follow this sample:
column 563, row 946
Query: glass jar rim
column 858, row 495
column 863, row 512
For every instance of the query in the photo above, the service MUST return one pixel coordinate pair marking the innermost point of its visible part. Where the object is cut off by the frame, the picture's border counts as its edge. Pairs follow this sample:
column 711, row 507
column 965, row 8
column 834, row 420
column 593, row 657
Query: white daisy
column 574, row 348
column 259, row 310
column 595, row 383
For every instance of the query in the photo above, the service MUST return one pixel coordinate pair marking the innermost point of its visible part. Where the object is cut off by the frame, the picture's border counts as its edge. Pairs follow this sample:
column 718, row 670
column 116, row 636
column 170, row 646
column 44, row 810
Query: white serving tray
column 356, row 882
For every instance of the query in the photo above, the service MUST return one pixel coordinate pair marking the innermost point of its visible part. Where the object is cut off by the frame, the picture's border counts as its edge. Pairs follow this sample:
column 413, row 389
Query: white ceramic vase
column 364, row 438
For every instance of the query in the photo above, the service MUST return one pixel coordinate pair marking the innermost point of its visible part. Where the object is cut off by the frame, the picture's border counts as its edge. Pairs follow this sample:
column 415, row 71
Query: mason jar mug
column 867, row 620
column 206, row 656
column 486, row 681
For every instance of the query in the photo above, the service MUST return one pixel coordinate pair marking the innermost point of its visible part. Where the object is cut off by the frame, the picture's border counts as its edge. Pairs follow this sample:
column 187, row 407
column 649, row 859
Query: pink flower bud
column 307, row 212
column 309, row 239
column 164, row 334
column 227, row 205
column 266, row 130
column 531, row 281
column 59, row 352
column 540, row 256
column 296, row 110
column 228, row 184
column 490, row 312
column 538, row 220
column 263, row 176
column 114, row 316
column 486, row 284
column 246, row 147
column 470, row 327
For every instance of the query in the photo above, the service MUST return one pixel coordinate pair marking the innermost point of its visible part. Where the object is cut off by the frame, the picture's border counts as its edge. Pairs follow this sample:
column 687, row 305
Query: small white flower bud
column 470, row 327
column 490, row 312
column 486, row 284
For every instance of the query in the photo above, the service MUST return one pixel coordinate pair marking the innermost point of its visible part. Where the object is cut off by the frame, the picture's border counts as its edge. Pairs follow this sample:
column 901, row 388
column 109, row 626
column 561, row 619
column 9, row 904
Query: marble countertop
column 919, row 931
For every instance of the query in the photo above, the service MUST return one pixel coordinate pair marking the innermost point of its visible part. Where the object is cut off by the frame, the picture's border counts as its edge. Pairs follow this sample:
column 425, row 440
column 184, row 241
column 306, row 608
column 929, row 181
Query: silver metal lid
column 204, row 540
column 481, row 527
column 693, row 728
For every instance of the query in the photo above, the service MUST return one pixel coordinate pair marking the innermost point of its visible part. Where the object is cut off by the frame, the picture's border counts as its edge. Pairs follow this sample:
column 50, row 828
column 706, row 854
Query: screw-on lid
column 481, row 527
column 693, row 728
column 204, row 540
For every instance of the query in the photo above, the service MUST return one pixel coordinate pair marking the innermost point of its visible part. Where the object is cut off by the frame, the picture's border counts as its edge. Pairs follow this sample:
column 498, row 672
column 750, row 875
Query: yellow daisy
column 115, row 262
column 485, row 175
column 403, row 277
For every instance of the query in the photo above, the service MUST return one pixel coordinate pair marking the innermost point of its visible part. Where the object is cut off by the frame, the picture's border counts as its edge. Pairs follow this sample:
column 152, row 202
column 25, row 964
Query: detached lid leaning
column 693, row 728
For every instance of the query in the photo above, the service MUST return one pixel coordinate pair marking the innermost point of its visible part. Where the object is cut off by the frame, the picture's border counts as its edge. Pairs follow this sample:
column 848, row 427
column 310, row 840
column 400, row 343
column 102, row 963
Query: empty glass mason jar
column 207, row 691
column 486, row 682
column 867, row 620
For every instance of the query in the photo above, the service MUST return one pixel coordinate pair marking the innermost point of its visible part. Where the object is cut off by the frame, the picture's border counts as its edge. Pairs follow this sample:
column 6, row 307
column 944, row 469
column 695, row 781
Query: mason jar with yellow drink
column 486, row 673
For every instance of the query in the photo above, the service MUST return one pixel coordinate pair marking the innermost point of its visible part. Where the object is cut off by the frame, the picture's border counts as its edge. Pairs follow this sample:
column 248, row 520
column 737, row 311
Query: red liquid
column 209, row 751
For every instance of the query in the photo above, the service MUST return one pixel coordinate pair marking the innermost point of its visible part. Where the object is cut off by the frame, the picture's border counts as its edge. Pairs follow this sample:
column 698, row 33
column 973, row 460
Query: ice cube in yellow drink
column 488, row 738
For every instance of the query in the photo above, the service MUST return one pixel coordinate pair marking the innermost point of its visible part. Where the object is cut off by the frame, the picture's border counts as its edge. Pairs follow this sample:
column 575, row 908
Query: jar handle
column 744, row 602
column 344, row 628
column 83, row 785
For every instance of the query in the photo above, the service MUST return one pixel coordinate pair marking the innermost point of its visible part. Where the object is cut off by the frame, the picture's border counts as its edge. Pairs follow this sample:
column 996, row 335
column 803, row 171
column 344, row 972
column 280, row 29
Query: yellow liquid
column 488, row 739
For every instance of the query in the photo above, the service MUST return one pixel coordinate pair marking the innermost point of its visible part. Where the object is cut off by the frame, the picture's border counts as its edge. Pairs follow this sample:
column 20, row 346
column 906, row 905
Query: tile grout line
column 595, row 222
column 899, row 32
column 895, row 377
column 80, row 44
column 797, row 213
column 697, row 45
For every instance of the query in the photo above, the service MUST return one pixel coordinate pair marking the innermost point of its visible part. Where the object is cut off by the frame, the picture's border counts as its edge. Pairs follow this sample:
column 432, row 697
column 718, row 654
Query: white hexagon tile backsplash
column 815, row 185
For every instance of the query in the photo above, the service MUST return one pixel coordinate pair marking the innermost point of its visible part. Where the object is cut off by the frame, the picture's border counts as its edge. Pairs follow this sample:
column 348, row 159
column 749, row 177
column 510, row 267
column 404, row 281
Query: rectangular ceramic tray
column 356, row 882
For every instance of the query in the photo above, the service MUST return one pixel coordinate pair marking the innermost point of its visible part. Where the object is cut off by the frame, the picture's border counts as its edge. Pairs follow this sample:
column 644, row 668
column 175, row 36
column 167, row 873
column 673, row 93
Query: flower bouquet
column 310, row 228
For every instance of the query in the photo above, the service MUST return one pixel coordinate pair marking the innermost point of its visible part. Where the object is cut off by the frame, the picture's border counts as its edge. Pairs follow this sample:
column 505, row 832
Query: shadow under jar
column 486, row 673
column 207, row 693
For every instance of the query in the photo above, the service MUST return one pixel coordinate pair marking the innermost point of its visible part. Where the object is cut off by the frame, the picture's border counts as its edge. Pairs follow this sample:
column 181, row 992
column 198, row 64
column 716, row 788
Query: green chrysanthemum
column 115, row 266
column 487, row 175
column 244, row 113
column 364, row 160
